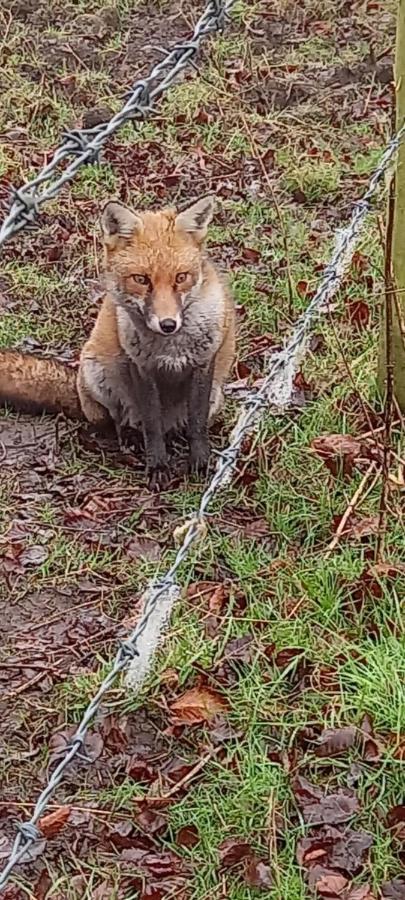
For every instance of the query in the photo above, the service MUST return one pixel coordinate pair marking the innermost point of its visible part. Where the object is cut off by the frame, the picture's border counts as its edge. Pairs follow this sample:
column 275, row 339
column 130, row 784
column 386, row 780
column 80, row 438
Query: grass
column 294, row 596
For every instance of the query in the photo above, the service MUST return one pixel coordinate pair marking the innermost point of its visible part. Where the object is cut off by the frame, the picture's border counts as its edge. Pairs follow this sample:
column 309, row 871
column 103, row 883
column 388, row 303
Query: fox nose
column 168, row 325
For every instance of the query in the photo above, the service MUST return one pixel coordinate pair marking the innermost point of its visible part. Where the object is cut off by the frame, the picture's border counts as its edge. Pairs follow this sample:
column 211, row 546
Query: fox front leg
column 148, row 404
column 198, row 415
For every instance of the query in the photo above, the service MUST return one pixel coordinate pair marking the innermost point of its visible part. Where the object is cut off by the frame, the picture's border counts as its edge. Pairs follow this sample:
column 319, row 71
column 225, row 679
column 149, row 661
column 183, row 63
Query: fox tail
column 36, row 385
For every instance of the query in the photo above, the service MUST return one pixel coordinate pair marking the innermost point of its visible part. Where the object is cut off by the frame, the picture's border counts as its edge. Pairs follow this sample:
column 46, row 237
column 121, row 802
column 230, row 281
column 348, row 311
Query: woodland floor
column 297, row 646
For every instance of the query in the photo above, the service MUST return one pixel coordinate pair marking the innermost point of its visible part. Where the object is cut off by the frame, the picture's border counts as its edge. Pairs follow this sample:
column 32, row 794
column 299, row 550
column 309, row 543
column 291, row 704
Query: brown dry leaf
column 188, row 836
column 335, row 848
column 198, row 705
column 250, row 255
column 42, row 886
column 53, row 823
column 232, row 851
column 372, row 747
column 319, row 808
column 336, row 740
column 217, row 600
column 151, row 821
column 363, row 527
column 339, row 452
column 396, row 822
column 359, row 314
column 327, row 882
column 358, row 528
column 258, row 874
column 103, row 891
column 362, row 892
column 394, row 890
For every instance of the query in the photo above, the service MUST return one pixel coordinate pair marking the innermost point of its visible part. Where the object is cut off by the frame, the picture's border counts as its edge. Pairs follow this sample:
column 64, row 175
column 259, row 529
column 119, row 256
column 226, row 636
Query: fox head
column 154, row 260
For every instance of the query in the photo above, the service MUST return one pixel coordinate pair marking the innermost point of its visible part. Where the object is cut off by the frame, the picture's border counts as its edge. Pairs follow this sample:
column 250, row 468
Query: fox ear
column 117, row 221
column 196, row 218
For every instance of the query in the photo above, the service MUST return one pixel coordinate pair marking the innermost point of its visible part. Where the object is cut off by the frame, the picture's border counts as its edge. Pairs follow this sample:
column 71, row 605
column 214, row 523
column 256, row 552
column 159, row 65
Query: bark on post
column 398, row 311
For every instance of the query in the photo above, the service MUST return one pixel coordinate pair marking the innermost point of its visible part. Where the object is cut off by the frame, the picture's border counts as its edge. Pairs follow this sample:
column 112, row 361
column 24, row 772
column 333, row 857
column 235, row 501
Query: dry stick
column 353, row 503
column 389, row 394
column 258, row 158
column 194, row 771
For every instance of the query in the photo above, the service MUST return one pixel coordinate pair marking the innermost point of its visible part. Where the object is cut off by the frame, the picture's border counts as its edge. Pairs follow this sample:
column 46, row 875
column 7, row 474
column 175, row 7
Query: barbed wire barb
column 85, row 144
column 276, row 388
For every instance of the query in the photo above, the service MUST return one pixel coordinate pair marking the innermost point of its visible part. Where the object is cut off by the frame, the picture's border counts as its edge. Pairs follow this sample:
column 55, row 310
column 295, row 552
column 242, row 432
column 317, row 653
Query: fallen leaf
column 250, row 255
column 339, row 452
column 188, row 836
column 232, row 851
column 359, row 314
column 363, row 892
column 102, row 891
column 335, row 848
column 175, row 769
column 286, row 655
column 358, row 528
column 140, row 770
column 33, row 556
column 217, row 600
column 363, row 527
column 125, row 835
column 13, row 893
column 394, row 890
column 302, row 288
column 258, row 874
column 239, row 649
column 198, row 705
column 242, row 371
column 152, row 892
column 42, row 886
column 221, row 731
column 372, row 748
column 53, row 822
column 159, row 865
column 326, row 882
column 336, row 740
column 396, row 822
column 359, row 261
column 215, row 594
column 319, row 808
column 113, row 732
column 317, row 343
column 151, row 821
column 143, row 548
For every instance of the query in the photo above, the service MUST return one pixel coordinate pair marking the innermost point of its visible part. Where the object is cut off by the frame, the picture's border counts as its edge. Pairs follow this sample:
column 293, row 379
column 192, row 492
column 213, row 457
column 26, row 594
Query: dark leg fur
column 149, row 407
column 198, row 410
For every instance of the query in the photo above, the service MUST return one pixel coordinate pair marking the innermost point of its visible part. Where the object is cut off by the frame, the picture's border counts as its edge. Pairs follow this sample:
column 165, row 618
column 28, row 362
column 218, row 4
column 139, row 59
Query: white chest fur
column 193, row 345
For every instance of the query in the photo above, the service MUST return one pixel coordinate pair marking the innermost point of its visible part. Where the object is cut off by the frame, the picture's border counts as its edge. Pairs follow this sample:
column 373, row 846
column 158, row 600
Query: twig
column 24, row 687
column 389, row 394
column 350, row 508
column 259, row 159
column 194, row 771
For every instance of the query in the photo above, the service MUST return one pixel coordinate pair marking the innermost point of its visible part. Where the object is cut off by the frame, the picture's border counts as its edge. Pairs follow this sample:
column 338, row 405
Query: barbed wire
column 281, row 370
column 85, row 144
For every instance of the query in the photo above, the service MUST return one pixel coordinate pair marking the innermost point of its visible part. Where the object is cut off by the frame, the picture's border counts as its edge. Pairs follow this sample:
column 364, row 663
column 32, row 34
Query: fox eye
column 181, row 277
column 141, row 279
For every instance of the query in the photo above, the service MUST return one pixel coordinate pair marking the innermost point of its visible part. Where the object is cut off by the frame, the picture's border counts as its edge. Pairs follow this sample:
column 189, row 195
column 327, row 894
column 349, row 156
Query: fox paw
column 199, row 459
column 158, row 478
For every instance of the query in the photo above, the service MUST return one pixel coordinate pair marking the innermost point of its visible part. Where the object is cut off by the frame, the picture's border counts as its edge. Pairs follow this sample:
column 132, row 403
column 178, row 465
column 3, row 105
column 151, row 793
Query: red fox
column 161, row 347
